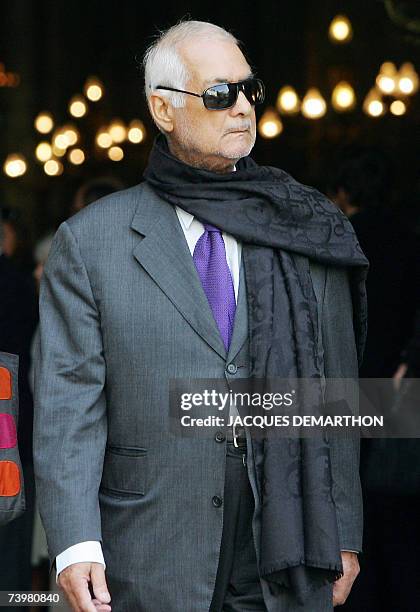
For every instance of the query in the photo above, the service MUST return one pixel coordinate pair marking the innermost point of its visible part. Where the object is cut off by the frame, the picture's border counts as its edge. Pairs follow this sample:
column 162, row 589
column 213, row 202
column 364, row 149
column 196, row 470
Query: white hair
column 162, row 61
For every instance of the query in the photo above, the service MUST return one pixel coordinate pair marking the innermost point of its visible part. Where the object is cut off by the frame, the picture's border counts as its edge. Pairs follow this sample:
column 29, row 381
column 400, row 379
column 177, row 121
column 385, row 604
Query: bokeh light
column 398, row 108
column 343, row 97
column 408, row 79
column 71, row 134
column 103, row 139
column 340, row 30
column 15, row 165
column 115, row 154
column 93, row 89
column 117, row 130
column 43, row 151
column 373, row 104
column 270, row 124
column 387, row 78
column 76, row 156
column 77, row 106
column 313, row 104
column 53, row 167
column 288, row 101
column 136, row 131
column 44, row 123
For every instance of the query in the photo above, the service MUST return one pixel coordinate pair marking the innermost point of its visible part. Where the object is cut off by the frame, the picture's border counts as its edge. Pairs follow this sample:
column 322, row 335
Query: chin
column 237, row 152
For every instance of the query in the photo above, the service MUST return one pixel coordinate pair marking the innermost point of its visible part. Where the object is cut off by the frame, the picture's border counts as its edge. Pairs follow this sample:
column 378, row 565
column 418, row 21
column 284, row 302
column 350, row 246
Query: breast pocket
column 125, row 471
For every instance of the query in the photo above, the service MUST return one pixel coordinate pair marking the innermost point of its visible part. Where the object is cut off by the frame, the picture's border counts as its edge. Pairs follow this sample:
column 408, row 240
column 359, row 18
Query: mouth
column 240, row 131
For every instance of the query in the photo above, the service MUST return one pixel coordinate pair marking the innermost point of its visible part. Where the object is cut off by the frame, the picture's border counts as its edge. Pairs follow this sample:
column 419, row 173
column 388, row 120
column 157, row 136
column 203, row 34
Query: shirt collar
column 186, row 217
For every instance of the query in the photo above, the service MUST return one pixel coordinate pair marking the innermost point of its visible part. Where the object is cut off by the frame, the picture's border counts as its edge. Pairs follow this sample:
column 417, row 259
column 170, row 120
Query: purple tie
column 210, row 260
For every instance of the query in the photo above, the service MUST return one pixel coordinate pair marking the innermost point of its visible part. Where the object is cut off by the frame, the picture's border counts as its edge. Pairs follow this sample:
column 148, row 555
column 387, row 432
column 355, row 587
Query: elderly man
column 216, row 268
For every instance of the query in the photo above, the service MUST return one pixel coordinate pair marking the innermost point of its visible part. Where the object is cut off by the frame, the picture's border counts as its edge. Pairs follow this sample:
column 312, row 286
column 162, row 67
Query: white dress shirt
column 92, row 551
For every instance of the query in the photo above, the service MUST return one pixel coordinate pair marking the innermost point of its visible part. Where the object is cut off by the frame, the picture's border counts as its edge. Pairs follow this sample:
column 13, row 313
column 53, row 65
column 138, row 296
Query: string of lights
column 391, row 91
column 64, row 140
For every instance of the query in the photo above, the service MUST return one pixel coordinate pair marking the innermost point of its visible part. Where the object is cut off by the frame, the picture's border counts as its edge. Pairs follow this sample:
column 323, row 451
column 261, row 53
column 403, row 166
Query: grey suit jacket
column 122, row 311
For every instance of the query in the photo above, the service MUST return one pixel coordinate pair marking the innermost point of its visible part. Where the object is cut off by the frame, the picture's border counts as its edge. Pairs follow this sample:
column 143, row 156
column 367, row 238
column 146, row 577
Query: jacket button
column 220, row 436
column 217, row 501
column 232, row 368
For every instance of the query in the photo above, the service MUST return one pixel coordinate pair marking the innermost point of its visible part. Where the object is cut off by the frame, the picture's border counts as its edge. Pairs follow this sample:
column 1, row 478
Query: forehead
column 211, row 60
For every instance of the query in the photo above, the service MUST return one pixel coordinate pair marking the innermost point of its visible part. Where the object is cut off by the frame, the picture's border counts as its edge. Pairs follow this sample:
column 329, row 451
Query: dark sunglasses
column 224, row 95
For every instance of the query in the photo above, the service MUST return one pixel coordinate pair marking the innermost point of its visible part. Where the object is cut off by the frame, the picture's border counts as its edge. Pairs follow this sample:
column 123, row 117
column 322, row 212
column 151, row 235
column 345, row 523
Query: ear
column 162, row 112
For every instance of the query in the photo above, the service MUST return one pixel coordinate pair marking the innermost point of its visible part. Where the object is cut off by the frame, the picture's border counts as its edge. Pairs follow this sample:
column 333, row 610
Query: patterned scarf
column 282, row 224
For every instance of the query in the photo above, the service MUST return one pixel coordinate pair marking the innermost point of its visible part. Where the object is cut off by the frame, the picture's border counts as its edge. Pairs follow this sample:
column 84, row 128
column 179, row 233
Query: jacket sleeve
column 70, row 425
column 337, row 345
column 340, row 365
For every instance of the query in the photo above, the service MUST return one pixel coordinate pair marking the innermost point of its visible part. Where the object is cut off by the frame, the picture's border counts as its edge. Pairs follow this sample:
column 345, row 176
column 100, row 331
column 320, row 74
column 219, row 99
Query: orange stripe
column 5, row 384
column 9, row 479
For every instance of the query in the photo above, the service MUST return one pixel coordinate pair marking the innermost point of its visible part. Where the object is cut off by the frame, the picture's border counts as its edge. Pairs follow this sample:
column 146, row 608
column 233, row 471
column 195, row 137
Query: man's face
column 209, row 138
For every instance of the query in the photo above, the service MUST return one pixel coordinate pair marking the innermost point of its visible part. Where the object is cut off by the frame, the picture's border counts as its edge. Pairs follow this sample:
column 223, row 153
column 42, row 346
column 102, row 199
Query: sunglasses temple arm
column 180, row 91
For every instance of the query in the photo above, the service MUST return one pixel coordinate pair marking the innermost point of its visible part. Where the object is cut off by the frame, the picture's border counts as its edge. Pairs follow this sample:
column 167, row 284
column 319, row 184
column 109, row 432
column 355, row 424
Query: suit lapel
column 240, row 326
column 163, row 252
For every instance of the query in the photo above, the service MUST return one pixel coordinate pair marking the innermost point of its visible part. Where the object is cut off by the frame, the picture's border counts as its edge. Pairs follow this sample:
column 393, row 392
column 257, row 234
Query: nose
column 242, row 106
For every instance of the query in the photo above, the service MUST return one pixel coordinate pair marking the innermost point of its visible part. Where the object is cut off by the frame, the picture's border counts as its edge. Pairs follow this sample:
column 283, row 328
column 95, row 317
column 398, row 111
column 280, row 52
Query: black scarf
column 281, row 224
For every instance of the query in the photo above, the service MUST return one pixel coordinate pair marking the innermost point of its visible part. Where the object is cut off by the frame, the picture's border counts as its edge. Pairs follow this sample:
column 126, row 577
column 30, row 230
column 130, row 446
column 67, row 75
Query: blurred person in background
column 17, row 244
column 93, row 190
column 361, row 187
column 410, row 356
column 42, row 248
column 18, row 319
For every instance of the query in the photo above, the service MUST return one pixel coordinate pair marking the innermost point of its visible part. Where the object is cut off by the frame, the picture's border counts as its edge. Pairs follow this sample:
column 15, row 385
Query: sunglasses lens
column 254, row 91
column 224, row 96
column 220, row 96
